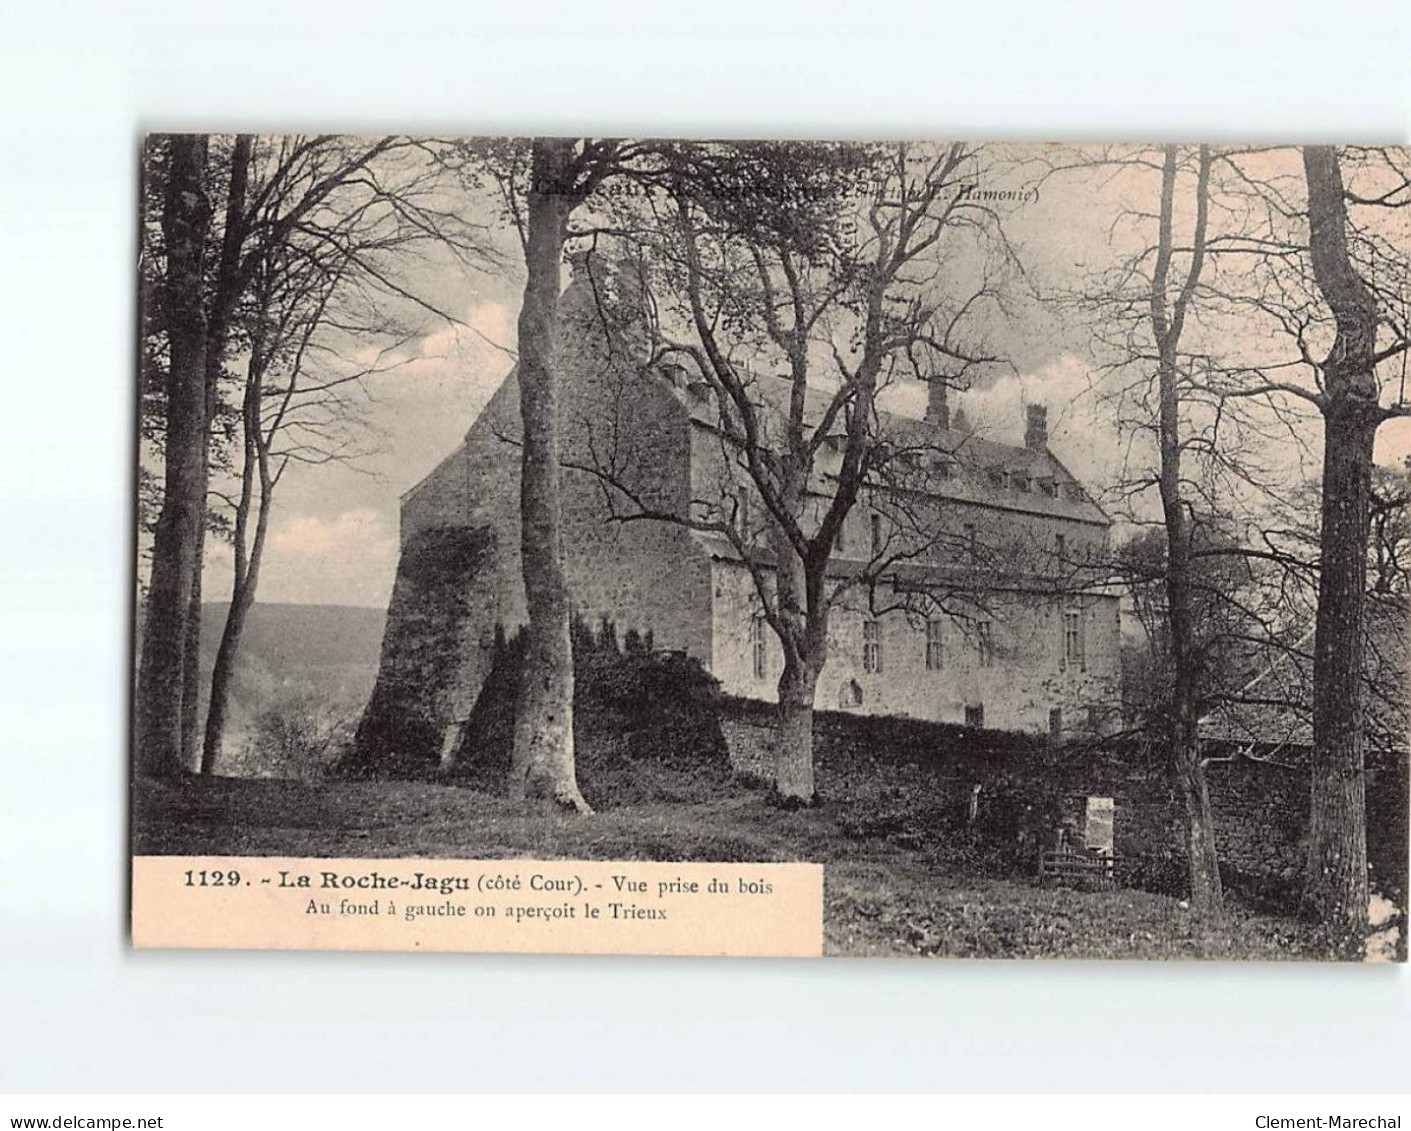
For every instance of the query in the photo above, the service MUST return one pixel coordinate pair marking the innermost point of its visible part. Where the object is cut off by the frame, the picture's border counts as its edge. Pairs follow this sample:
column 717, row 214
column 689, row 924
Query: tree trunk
column 248, row 552
column 541, row 765
column 793, row 774
column 224, row 294
column 1335, row 885
column 802, row 626
column 1203, row 861
column 1183, row 728
column 191, row 658
column 158, row 710
column 242, row 600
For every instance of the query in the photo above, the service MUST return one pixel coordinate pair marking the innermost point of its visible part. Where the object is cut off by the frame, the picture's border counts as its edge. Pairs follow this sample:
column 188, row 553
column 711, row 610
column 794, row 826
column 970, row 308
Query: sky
column 333, row 535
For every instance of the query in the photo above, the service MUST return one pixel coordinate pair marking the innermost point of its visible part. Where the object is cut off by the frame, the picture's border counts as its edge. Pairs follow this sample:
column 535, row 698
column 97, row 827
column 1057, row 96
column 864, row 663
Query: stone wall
column 435, row 651
column 1027, row 787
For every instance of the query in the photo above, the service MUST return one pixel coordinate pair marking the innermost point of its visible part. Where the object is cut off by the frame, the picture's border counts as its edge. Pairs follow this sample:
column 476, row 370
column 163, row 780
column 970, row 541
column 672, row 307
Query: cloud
column 348, row 559
column 1081, row 432
column 333, row 537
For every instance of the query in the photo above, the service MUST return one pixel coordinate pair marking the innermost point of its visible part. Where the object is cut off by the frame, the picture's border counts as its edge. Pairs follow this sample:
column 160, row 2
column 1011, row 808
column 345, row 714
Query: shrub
column 646, row 724
column 300, row 737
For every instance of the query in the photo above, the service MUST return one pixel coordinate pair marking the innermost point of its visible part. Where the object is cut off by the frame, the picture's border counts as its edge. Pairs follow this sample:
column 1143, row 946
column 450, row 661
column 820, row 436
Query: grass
column 890, row 890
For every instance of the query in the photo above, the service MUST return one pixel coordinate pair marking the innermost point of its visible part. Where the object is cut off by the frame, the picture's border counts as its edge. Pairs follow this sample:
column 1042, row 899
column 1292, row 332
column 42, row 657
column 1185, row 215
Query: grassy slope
column 882, row 897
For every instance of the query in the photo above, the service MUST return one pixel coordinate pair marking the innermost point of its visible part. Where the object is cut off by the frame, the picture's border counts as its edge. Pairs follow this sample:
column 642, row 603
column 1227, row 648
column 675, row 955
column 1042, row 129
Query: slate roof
column 986, row 473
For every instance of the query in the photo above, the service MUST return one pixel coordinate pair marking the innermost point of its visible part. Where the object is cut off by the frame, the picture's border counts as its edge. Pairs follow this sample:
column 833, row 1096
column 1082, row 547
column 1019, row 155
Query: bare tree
column 542, row 189
column 828, row 262
column 541, row 760
column 176, row 554
column 1145, row 314
column 295, row 191
column 1335, row 888
column 313, row 293
column 224, row 292
column 1327, row 271
column 1168, row 322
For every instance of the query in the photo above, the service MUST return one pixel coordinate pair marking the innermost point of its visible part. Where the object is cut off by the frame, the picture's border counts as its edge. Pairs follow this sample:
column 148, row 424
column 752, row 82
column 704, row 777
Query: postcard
column 772, row 548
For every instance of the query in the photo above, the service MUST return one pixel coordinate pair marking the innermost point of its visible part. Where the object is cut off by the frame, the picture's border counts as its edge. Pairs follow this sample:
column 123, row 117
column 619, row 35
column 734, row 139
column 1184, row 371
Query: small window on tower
column 876, row 534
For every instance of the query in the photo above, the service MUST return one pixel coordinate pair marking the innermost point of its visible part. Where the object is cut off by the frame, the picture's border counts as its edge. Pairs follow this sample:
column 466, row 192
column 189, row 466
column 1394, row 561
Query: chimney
column 1036, row 428
column 937, row 407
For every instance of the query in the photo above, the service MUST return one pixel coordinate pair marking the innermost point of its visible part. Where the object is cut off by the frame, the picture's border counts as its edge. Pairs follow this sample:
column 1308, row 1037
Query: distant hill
column 302, row 640
column 316, row 660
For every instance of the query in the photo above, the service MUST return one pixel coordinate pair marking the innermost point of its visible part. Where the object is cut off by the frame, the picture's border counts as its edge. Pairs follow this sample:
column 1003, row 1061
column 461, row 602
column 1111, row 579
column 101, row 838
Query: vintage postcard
column 777, row 548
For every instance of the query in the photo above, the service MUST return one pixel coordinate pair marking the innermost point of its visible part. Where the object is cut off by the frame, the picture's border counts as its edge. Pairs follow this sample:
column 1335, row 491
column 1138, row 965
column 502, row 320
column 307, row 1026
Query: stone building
column 1018, row 636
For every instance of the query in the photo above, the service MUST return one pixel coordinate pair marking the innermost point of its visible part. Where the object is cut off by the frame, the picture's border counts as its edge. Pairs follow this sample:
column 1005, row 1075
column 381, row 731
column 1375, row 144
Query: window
column 971, row 539
column 759, row 654
column 850, row 694
column 935, row 649
column 1055, row 723
column 975, row 716
column 876, row 534
column 1060, row 546
column 841, row 541
column 871, row 646
column 984, row 639
column 1051, row 488
column 1073, row 649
